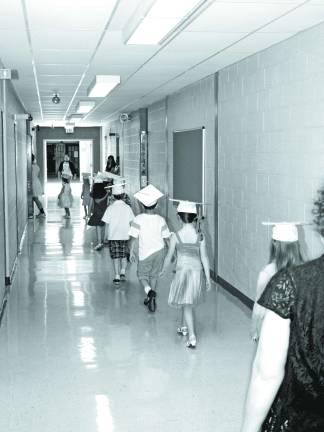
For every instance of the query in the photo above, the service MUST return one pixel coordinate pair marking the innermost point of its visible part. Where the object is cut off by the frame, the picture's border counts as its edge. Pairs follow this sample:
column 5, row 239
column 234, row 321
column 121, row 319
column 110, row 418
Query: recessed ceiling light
column 102, row 85
column 84, row 107
column 154, row 20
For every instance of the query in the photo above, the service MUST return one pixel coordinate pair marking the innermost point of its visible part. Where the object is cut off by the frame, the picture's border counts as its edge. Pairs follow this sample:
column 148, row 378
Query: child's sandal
column 183, row 331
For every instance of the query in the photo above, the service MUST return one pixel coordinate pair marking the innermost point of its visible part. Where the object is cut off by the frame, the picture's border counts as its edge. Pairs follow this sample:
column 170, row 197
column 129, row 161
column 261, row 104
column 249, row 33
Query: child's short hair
column 149, row 207
column 187, row 217
column 119, row 196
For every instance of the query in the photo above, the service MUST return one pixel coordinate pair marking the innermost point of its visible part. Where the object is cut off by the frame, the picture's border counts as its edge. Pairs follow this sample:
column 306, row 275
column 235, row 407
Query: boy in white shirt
column 152, row 231
column 118, row 217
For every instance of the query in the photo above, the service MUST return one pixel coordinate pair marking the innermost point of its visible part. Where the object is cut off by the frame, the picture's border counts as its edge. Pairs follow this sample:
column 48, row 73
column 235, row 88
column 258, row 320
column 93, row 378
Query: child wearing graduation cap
column 118, row 217
column 151, row 230
column 285, row 252
column 192, row 276
column 98, row 206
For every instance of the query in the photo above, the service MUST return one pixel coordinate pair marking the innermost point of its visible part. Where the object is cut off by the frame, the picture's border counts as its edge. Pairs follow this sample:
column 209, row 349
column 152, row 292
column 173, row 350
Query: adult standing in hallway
column 37, row 189
column 286, row 392
column 111, row 165
column 67, row 168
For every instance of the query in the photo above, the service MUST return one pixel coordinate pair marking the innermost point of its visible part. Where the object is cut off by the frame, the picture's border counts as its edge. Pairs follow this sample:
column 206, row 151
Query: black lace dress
column 298, row 294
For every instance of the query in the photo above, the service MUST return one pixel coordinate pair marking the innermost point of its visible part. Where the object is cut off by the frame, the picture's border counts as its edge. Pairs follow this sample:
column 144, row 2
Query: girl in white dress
column 192, row 276
column 65, row 198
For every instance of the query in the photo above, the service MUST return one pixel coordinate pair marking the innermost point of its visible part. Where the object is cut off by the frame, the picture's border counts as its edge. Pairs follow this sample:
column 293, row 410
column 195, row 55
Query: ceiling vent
column 124, row 117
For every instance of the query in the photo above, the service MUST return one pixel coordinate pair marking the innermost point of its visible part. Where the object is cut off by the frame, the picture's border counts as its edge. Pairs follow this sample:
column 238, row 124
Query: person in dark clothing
column 111, row 165
column 67, row 168
column 286, row 391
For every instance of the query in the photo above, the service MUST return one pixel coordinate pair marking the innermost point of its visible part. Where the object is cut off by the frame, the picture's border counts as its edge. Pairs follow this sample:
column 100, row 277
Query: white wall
column 271, row 151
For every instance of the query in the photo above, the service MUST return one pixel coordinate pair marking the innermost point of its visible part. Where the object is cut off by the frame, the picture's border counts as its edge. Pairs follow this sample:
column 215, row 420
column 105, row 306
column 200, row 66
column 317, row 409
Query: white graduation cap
column 284, row 231
column 186, row 206
column 110, row 175
column 148, row 195
column 98, row 177
column 118, row 189
column 117, row 182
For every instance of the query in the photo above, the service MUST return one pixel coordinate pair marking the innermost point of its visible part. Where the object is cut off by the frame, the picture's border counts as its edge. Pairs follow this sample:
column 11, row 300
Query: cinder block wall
column 271, row 151
column 194, row 107
column 157, row 150
column 16, row 192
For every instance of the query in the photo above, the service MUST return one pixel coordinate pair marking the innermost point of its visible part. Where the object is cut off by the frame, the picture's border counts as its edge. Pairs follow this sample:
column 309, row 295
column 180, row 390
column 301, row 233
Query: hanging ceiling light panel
column 102, row 85
column 74, row 118
column 155, row 19
column 84, row 107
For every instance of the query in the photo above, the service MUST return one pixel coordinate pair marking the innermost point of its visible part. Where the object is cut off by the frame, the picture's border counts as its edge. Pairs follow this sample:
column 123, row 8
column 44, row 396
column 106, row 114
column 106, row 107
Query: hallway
column 80, row 355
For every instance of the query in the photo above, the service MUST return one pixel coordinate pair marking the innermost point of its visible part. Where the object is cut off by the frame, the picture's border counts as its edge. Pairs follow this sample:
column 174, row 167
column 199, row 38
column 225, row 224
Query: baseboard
column 232, row 290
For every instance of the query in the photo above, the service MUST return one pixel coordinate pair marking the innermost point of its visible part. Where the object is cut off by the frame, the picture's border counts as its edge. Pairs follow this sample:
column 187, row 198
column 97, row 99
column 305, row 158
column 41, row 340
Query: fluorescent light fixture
column 102, row 85
column 85, row 106
column 155, row 19
column 74, row 118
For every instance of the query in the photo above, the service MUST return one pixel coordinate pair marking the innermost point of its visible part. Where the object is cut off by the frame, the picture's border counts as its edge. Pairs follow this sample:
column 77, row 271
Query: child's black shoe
column 151, row 303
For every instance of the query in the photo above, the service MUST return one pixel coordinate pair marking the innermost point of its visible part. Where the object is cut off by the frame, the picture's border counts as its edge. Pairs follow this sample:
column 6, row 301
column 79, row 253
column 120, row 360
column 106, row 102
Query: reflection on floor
column 78, row 355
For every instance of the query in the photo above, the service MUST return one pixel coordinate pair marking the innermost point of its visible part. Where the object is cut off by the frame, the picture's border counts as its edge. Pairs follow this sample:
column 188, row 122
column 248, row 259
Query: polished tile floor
column 77, row 355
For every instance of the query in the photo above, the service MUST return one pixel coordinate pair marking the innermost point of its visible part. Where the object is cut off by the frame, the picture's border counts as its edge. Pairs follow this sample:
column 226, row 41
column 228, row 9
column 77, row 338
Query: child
column 118, row 217
column 192, row 270
column 151, row 231
column 85, row 194
column 284, row 252
column 65, row 198
column 98, row 206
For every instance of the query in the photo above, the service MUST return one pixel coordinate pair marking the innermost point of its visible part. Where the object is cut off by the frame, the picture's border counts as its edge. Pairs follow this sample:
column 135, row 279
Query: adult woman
column 286, row 392
column 111, row 165
column 67, row 168
column 37, row 189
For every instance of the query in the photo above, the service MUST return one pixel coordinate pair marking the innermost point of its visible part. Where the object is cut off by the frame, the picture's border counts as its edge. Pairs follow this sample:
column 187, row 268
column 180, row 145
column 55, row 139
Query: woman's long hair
column 285, row 254
column 110, row 163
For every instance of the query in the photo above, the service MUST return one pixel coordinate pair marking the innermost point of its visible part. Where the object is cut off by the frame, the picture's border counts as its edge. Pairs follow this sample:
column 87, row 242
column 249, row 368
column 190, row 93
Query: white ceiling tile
column 258, row 41
column 65, row 39
column 243, row 17
column 207, row 42
column 298, row 20
column 62, row 56
column 60, row 69
column 64, row 14
column 11, row 15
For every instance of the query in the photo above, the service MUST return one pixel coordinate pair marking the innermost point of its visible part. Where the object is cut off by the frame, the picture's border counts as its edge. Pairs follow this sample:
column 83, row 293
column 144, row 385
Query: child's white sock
column 123, row 272
column 117, row 276
column 147, row 289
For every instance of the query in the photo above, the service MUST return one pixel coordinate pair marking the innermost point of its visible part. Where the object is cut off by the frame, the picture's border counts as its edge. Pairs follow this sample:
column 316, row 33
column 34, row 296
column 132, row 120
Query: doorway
column 55, row 151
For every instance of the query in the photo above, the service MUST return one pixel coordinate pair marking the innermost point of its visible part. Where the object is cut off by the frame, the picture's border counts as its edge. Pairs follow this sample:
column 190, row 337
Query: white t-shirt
column 150, row 229
column 118, row 216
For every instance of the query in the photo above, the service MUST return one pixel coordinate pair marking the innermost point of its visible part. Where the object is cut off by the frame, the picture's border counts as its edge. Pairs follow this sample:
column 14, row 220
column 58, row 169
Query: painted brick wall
column 17, row 190
column 194, row 107
column 157, row 150
column 271, row 151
